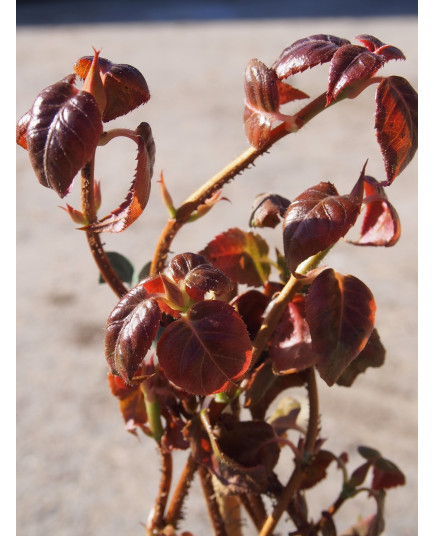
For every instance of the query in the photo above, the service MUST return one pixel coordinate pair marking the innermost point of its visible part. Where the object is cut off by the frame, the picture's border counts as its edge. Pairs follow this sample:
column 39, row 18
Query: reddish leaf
column 316, row 469
column 372, row 355
column 267, row 210
column 137, row 198
column 396, row 122
column 381, row 225
column 288, row 93
column 284, row 417
column 242, row 256
column 317, row 219
column 205, row 350
column 154, row 285
column 358, row 475
column 257, row 127
column 386, row 475
column 291, row 344
column 131, row 328
column 340, row 311
column 62, row 134
column 375, row 45
column 21, row 132
column 264, row 386
column 183, row 263
column 131, row 403
column 205, row 278
column 75, row 215
column 306, row 53
column 260, row 87
column 350, row 65
column 125, row 86
column 251, row 306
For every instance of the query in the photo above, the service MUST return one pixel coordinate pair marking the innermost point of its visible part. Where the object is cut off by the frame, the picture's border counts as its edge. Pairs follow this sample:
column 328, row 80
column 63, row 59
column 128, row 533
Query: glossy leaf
column 267, row 210
column 155, row 286
column 381, row 225
column 205, row 350
column 257, row 127
column 307, row 53
column 372, row 355
column 125, row 86
column 260, row 87
column 373, row 44
column 21, row 130
column 137, row 198
column 340, row 311
column 121, row 265
column 317, row 219
column 62, row 134
column 131, row 404
column 183, row 263
column 351, row 64
column 291, row 344
column 131, row 328
column 205, row 278
column 242, row 256
column 288, row 93
column 396, row 124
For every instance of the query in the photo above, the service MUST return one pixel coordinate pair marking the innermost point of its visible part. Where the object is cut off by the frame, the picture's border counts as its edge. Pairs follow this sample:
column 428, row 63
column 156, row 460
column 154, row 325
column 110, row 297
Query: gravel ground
column 78, row 471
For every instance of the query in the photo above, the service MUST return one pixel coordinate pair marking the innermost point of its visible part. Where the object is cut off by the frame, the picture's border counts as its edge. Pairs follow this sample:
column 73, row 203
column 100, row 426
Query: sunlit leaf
column 125, row 86
column 350, row 65
column 317, row 219
column 260, row 87
column 373, row 44
column 242, row 256
column 62, row 134
column 340, row 311
column 206, row 349
column 131, row 328
column 257, row 127
column 396, row 124
column 307, row 53
column 183, row 263
column 21, row 131
column 288, row 93
column 206, row 278
column 267, row 210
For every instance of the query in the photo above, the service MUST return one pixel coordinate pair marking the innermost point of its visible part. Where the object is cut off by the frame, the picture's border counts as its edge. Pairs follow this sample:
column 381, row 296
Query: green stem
column 93, row 239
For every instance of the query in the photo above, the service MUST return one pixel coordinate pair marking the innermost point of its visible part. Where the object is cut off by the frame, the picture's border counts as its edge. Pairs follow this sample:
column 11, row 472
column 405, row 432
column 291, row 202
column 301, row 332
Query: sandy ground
column 79, row 472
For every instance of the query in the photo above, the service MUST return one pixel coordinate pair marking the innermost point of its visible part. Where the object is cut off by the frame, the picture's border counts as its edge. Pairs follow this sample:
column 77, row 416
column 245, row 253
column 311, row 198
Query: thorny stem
column 163, row 492
column 180, row 494
column 238, row 165
column 297, row 475
column 93, row 239
column 211, row 502
column 255, row 508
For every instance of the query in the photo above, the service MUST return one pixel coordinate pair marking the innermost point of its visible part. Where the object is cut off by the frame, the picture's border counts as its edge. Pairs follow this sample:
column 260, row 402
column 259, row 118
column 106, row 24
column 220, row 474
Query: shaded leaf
column 307, row 53
column 264, row 386
column 358, row 475
column 340, row 311
column 315, row 469
column 396, row 124
column 206, row 349
column 381, row 225
column 291, row 344
column 351, row 64
column 368, row 453
column 267, row 210
column 372, row 355
column 77, row 217
column 125, row 86
column 284, row 417
column 62, row 134
column 251, row 305
column 121, row 265
column 137, row 198
column 131, row 328
column 386, row 475
column 328, row 526
column 242, row 256
column 317, row 219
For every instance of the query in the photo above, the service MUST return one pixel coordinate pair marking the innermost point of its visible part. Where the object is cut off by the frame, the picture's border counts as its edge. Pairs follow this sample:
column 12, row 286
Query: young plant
column 200, row 363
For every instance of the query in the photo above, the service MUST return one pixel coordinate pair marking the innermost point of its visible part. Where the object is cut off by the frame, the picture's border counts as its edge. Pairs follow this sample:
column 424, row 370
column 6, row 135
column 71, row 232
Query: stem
column 93, row 239
column 180, row 494
column 211, row 502
column 255, row 508
column 223, row 177
column 297, row 475
column 163, row 492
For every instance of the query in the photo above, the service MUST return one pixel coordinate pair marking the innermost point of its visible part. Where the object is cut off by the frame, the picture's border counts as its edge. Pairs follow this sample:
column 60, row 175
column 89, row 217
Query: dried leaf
column 131, row 404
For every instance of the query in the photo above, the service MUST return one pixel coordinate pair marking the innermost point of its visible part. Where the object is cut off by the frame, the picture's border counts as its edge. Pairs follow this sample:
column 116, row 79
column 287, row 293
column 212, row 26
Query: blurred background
column 78, row 470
